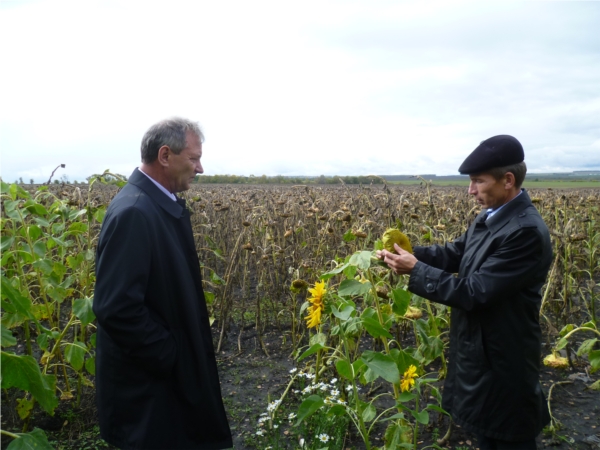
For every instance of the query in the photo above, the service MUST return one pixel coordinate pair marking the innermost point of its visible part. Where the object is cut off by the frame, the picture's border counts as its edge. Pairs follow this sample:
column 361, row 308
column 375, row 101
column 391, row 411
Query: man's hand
column 402, row 263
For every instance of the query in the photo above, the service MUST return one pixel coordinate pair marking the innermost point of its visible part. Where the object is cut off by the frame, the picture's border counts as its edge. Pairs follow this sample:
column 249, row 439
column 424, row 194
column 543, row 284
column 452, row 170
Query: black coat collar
column 176, row 209
column 515, row 206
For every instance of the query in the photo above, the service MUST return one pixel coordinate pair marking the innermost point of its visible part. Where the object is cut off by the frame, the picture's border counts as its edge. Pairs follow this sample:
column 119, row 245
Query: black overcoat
column 156, row 375
column 492, row 387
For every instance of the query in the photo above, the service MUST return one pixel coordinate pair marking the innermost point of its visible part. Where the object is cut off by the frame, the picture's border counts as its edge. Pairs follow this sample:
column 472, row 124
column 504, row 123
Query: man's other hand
column 402, row 263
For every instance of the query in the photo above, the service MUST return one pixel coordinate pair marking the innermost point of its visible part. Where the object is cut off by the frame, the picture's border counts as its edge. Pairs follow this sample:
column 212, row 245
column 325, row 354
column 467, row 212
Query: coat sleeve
column 122, row 278
column 446, row 257
column 504, row 273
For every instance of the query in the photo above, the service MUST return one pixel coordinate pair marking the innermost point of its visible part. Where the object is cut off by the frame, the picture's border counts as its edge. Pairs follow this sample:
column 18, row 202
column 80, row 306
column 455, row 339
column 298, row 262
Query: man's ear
column 163, row 155
column 509, row 180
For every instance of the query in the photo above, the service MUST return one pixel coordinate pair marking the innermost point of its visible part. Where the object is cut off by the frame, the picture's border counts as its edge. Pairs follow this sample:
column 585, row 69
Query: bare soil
column 250, row 380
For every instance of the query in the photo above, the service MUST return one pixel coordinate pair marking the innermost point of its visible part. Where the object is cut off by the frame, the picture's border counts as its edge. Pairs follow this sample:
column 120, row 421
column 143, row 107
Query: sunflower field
column 368, row 357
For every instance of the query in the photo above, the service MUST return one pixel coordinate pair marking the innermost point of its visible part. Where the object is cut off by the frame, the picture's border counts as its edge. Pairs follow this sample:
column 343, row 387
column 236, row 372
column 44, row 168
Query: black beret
column 497, row 151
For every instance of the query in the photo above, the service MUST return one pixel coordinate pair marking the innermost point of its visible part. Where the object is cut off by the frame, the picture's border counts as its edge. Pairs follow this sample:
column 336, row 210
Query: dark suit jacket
column 156, row 374
column 492, row 387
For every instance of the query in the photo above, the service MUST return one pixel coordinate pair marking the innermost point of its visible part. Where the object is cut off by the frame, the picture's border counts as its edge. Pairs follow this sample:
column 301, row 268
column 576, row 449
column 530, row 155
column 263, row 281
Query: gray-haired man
column 156, row 373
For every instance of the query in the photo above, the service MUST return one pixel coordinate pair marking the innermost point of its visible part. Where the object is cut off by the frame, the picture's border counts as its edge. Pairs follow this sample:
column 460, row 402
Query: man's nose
column 199, row 168
column 472, row 188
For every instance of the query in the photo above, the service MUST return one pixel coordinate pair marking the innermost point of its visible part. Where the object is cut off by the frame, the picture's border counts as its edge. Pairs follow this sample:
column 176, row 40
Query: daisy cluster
column 267, row 416
column 329, row 390
column 264, row 417
column 308, row 376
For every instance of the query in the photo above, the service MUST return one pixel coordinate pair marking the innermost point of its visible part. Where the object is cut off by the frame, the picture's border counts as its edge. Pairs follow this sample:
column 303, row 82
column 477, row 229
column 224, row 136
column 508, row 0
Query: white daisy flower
column 292, row 416
column 294, row 370
column 323, row 437
column 273, row 405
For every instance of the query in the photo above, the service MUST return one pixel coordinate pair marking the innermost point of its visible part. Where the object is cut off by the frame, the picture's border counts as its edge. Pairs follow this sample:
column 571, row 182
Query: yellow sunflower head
column 313, row 318
column 408, row 379
column 411, row 372
column 317, row 292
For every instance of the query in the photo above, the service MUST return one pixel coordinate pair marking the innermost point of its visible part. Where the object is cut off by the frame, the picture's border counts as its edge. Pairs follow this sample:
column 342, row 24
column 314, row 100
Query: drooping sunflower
column 313, row 318
column 408, row 379
column 393, row 236
column 556, row 361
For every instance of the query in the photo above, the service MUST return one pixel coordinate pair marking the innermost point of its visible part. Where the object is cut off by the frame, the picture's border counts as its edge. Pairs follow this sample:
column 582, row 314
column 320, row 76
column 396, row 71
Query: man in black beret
column 497, row 151
column 492, row 387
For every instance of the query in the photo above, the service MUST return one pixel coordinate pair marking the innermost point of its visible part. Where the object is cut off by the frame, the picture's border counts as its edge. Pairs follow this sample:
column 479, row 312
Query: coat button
column 429, row 286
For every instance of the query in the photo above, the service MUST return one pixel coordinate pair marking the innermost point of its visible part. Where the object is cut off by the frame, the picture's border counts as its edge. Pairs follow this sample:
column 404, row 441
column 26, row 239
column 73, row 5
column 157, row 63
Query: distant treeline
column 590, row 175
column 238, row 179
column 280, row 179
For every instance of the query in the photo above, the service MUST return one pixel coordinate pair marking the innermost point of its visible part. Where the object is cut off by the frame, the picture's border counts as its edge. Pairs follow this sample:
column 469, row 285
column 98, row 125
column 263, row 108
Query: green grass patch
column 561, row 184
column 527, row 184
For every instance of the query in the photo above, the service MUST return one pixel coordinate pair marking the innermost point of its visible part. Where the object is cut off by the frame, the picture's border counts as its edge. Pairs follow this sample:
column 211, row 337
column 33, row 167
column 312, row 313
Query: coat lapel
column 141, row 181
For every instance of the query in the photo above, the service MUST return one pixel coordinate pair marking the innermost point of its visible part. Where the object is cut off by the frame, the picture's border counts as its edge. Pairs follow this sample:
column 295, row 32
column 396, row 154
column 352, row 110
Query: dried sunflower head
column 393, row 236
column 382, row 292
column 577, row 237
column 413, row 313
column 556, row 361
column 298, row 285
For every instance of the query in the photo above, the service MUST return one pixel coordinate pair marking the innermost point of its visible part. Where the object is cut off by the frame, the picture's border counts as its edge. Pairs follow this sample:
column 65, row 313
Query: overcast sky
column 298, row 87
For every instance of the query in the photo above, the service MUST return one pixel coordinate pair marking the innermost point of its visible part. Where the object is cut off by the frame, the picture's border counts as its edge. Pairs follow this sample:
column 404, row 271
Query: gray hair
column 170, row 132
column 518, row 170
